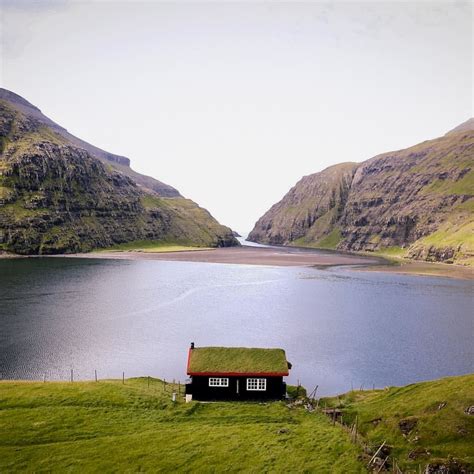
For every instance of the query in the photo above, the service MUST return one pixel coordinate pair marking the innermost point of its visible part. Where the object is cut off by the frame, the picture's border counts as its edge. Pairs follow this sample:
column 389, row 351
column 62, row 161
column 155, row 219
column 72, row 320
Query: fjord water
column 339, row 327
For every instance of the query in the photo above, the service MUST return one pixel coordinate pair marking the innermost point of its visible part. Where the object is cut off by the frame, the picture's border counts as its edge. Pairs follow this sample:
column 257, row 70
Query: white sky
column 232, row 103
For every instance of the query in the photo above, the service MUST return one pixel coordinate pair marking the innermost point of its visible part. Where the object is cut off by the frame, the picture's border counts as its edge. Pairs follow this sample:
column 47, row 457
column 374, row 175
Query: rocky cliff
column 121, row 163
column 309, row 211
column 416, row 203
column 58, row 194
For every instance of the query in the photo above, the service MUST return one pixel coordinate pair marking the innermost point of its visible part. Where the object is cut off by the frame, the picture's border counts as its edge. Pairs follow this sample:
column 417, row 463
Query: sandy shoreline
column 273, row 256
column 291, row 256
column 284, row 257
column 424, row 269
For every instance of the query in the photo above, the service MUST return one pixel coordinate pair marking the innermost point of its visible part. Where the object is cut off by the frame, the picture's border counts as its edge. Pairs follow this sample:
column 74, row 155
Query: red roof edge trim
column 236, row 374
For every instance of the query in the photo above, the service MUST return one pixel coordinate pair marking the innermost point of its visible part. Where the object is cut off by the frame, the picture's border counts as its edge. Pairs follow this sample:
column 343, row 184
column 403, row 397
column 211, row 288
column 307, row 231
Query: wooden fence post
column 376, row 452
column 95, row 374
column 382, row 465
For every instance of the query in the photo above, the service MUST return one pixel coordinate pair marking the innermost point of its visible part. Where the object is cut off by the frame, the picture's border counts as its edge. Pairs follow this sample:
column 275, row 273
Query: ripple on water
column 339, row 327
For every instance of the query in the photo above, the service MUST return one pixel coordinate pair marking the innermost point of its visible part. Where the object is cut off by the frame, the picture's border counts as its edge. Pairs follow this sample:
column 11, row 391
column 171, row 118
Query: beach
column 274, row 256
column 291, row 257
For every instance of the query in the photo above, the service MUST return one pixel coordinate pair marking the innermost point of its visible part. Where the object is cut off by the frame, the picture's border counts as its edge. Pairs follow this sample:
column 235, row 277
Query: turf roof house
column 236, row 373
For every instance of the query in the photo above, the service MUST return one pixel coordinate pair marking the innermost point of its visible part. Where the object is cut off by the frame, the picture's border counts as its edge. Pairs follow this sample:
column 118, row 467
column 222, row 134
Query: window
column 257, row 384
column 218, row 382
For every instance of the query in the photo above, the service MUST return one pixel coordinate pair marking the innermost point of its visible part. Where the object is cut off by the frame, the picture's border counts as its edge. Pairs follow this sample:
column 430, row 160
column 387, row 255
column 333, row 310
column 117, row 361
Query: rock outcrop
column 59, row 194
column 416, row 202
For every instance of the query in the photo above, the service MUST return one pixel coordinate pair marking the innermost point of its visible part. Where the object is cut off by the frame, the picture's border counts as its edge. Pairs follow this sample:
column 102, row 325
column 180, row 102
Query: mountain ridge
column 416, row 202
column 58, row 197
column 119, row 162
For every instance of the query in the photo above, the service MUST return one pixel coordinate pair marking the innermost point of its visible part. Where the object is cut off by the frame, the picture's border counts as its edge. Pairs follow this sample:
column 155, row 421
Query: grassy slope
column 152, row 246
column 107, row 426
column 455, row 233
column 443, row 432
column 190, row 220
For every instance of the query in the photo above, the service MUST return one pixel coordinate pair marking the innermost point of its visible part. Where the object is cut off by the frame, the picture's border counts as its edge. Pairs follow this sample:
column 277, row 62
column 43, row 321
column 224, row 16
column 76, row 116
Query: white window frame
column 256, row 385
column 218, row 382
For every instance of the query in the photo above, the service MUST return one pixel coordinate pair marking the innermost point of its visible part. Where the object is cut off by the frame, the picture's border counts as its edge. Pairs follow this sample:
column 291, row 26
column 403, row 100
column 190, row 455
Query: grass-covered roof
column 237, row 360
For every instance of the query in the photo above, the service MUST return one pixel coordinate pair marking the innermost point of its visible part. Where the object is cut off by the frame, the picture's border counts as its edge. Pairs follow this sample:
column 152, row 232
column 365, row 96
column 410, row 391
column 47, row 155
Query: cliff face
column 59, row 197
column 417, row 202
column 121, row 163
column 309, row 211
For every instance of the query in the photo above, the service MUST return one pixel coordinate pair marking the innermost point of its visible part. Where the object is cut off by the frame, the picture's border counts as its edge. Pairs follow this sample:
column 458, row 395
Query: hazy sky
column 232, row 103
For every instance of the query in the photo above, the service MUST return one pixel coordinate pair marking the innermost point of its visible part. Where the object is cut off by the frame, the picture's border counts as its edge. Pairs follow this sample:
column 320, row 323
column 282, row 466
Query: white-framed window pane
column 218, row 382
column 256, row 384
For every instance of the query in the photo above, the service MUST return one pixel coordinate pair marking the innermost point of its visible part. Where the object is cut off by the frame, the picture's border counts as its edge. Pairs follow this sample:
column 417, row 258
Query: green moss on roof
column 237, row 360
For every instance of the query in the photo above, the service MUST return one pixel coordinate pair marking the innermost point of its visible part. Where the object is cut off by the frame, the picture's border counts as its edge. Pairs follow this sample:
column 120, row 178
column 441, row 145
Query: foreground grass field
column 135, row 426
column 109, row 426
column 423, row 423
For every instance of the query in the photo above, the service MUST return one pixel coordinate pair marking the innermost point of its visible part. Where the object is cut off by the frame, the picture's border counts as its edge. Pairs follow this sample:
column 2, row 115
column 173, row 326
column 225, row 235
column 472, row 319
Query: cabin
column 236, row 373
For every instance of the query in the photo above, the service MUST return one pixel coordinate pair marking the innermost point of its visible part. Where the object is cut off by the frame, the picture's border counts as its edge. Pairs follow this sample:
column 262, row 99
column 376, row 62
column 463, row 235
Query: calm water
column 339, row 327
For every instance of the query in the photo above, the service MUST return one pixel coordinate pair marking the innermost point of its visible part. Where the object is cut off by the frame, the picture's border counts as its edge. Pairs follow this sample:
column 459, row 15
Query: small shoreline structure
column 236, row 373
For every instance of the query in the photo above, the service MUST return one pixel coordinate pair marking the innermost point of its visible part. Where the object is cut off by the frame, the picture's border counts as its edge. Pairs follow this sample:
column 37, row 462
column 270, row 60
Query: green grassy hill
column 109, row 426
column 423, row 423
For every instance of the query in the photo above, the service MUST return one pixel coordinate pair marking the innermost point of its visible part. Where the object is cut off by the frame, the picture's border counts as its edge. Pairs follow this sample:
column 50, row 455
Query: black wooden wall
column 200, row 390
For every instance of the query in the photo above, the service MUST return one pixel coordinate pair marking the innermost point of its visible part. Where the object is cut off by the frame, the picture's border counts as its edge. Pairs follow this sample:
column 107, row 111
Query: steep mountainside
column 417, row 202
column 309, row 211
column 120, row 163
column 59, row 194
